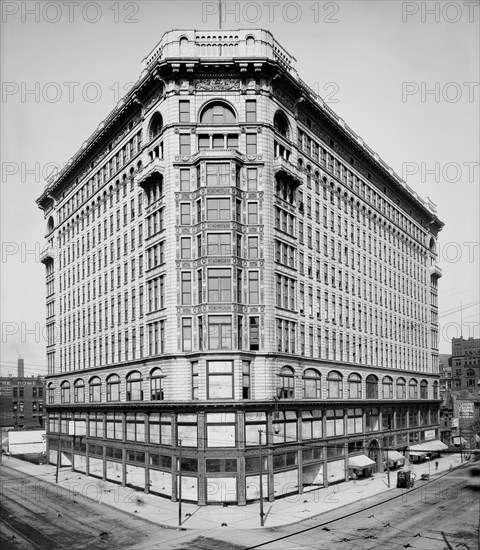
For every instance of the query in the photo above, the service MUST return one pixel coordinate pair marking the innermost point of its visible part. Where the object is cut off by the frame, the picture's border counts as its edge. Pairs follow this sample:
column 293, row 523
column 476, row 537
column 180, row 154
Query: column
column 241, row 495
column 202, row 479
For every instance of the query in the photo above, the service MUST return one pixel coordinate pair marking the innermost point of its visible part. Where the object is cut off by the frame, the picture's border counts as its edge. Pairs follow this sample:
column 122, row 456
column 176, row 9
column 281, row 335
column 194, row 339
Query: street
column 438, row 515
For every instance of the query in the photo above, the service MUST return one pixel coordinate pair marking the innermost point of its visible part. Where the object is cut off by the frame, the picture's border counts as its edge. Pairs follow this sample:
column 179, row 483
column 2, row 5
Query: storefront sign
column 429, row 435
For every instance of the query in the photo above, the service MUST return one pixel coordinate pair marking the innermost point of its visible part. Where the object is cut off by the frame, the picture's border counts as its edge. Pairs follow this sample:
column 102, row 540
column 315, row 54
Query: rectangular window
column 218, row 209
column 194, row 367
column 220, row 379
column 218, row 244
column 312, row 424
column 246, row 394
column 185, row 179
column 186, row 288
column 252, row 179
column 218, row 175
column 254, row 333
column 160, row 428
column 354, row 421
column 253, row 288
column 334, row 422
column 185, row 216
column 185, row 248
column 219, row 285
column 135, row 427
column 187, row 334
column 251, row 110
column 253, row 248
column 184, row 111
column 184, row 144
column 220, row 332
column 251, row 140
column 252, row 213
column 220, row 433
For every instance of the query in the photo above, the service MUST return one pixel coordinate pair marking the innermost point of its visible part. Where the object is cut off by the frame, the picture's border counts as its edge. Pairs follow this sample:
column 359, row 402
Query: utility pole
column 179, row 482
column 59, row 456
column 388, row 471
column 220, row 13
column 261, row 476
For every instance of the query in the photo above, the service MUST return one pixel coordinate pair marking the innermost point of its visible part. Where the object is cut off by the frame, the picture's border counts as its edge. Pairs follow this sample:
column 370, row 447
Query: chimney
column 20, row 368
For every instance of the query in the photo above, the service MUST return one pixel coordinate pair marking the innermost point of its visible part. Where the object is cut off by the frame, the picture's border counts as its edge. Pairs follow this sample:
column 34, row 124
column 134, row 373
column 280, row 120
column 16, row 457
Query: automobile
column 474, row 470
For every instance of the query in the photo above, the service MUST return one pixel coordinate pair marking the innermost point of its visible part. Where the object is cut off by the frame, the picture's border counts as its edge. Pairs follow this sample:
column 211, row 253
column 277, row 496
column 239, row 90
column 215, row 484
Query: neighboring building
column 445, row 372
column 460, row 411
column 466, row 364
column 229, row 263
column 21, row 400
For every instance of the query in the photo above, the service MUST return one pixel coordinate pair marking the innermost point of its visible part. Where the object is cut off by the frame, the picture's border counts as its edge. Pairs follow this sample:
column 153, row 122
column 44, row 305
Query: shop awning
column 360, row 461
column 436, row 445
column 394, row 456
column 427, row 447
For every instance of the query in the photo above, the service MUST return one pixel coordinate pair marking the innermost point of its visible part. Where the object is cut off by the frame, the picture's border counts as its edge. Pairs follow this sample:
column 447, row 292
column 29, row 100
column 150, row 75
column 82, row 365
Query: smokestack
column 20, row 368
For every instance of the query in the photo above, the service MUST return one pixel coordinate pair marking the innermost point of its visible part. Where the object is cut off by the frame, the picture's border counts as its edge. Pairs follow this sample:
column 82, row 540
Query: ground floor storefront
column 215, row 453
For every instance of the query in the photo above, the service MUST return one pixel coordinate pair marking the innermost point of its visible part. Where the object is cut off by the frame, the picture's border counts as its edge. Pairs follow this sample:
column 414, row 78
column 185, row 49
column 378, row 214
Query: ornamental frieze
column 211, row 225
column 222, row 84
column 219, row 308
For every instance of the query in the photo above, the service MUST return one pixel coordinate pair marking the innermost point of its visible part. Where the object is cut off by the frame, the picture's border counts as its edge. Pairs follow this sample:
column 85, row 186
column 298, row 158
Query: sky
column 403, row 75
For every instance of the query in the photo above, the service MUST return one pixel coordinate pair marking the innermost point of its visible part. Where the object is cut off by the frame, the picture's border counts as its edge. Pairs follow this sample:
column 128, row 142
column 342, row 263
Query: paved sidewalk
column 280, row 512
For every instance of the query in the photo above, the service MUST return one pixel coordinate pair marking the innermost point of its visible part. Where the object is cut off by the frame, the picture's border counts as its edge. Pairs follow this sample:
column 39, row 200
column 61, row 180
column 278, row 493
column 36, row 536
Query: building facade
column 465, row 364
column 236, row 284
column 21, row 400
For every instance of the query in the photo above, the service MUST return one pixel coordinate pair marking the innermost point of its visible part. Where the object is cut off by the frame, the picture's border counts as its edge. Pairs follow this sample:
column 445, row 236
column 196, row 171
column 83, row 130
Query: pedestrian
column 412, row 477
column 436, row 465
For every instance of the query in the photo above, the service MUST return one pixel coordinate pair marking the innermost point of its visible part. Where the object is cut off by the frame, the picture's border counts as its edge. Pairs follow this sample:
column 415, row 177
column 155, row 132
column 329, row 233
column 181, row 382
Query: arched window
column 311, row 384
column 280, row 124
column 134, row 386
column 413, row 389
column 156, row 390
column 156, row 125
column 79, row 391
column 65, row 392
column 50, row 225
column 51, row 393
column 401, row 388
column 334, row 385
column 183, row 45
column 435, row 390
column 354, row 386
column 217, row 113
column 387, row 387
column 372, row 386
column 423, row 389
column 287, row 383
column 250, row 45
column 95, row 390
column 113, row 388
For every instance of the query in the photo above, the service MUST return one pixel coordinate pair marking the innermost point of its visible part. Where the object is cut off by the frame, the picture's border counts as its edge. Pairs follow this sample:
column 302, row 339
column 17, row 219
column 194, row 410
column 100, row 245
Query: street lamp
column 179, row 482
column 261, row 476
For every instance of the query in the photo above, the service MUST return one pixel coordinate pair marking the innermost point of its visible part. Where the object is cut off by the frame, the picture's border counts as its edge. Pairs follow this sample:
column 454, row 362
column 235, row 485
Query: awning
column 427, row 447
column 417, row 453
column 436, row 445
column 360, row 461
column 394, row 456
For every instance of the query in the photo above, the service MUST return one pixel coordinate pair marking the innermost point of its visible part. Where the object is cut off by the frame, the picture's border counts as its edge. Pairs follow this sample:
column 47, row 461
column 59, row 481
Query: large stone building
column 229, row 263
column 465, row 364
column 21, row 400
